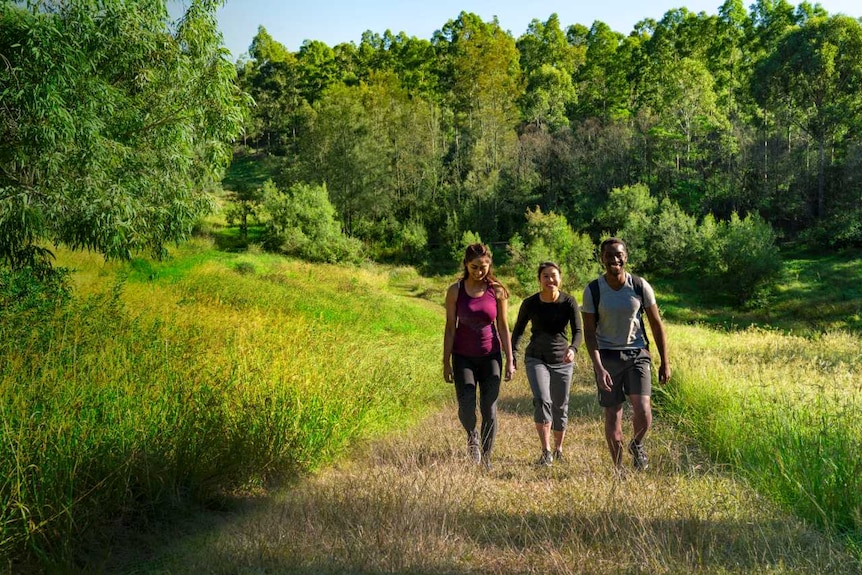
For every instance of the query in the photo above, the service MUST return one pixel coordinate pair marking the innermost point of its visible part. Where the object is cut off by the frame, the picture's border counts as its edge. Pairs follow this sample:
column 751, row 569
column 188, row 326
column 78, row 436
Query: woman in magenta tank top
column 476, row 336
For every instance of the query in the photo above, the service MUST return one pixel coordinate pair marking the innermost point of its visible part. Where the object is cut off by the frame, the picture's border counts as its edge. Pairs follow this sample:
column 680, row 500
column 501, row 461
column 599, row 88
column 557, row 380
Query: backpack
column 638, row 284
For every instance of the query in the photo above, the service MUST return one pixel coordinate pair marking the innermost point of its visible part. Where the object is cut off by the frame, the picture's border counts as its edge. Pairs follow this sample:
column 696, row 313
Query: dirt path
column 412, row 504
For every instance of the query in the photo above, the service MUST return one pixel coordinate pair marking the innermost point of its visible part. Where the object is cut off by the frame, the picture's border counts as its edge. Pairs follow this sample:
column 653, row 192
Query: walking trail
column 411, row 503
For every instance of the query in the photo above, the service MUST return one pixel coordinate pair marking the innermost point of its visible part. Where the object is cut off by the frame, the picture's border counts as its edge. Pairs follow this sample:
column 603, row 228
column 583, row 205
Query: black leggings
column 484, row 373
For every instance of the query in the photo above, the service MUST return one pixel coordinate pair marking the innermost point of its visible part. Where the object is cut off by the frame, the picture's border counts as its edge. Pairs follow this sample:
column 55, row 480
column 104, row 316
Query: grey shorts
column 631, row 371
column 551, row 384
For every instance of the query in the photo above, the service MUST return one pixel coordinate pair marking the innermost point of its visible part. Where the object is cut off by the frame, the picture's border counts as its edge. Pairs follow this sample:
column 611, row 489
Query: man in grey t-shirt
column 618, row 347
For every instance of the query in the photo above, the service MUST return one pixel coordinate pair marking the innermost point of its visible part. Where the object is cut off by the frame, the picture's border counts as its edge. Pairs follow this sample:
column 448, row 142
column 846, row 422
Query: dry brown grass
column 411, row 504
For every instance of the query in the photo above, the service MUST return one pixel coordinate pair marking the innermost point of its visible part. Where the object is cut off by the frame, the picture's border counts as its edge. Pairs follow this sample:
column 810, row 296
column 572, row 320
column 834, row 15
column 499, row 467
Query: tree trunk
column 821, row 177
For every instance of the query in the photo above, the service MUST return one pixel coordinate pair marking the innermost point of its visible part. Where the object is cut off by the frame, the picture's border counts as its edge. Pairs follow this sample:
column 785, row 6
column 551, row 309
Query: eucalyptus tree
column 548, row 62
column 813, row 80
column 602, row 85
column 410, row 58
column 772, row 19
column 481, row 75
column 318, row 68
column 684, row 130
column 272, row 78
column 113, row 124
column 379, row 152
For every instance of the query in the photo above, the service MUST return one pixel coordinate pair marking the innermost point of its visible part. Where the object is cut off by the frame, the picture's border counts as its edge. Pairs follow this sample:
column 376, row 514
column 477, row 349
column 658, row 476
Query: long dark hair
column 474, row 251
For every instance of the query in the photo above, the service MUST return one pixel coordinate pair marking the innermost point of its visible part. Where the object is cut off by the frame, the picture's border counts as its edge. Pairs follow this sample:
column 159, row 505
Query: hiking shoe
column 473, row 448
column 486, row 462
column 638, row 455
column 558, row 456
column 546, row 460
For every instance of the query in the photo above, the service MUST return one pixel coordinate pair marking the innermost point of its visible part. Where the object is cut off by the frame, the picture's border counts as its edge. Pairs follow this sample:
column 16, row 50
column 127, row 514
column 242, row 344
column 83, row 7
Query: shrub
column 549, row 237
column 628, row 214
column 301, row 221
column 673, row 237
column 750, row 257
column 33, row 288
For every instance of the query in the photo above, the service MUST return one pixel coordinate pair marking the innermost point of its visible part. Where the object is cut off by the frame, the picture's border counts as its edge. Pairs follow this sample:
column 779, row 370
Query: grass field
column 410, row 502
column 206, row 377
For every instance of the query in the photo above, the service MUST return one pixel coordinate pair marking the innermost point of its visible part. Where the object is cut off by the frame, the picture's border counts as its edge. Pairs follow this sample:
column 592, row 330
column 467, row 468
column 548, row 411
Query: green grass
column 211, row 372
column 192, row 379
column 784, row 411
column 814, row 293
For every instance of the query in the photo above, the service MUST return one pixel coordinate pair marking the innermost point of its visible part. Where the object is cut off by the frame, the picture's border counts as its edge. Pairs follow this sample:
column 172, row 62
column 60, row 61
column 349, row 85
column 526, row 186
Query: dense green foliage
column 301, row 222
column 113, row 124
column 753, row 112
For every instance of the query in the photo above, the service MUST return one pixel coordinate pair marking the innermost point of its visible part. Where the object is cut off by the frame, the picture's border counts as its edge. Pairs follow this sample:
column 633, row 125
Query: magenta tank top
column 476, row 332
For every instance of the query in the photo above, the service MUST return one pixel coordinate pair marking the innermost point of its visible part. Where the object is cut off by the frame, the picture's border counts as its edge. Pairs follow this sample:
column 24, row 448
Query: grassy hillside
column 189, row 379
column 411, row 503
column 814, row 293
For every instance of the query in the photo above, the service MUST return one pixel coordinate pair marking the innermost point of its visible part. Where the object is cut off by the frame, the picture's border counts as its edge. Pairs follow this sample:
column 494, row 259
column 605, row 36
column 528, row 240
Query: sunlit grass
column 411, row 503
column 785, row 410
column 189, row 378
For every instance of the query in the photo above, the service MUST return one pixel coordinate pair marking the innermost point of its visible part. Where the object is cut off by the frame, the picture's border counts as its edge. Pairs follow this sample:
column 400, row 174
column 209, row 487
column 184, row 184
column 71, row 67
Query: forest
column 744, row 123
column 708, row 141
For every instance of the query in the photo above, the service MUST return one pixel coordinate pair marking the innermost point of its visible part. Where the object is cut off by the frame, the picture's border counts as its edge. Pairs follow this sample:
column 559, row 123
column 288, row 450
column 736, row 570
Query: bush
column 302, row 222
column 750, row 257
column 33, row 288
column 629, row 214
column 549, row 237
column 673, row 237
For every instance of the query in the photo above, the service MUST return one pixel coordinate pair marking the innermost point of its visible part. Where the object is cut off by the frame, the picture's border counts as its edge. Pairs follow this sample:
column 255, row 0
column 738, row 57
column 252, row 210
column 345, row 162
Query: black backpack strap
column 594, row 291
column 638, row 284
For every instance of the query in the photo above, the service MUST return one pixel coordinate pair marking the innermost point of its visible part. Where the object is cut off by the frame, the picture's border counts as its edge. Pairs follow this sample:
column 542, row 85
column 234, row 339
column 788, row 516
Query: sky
column 291, row 22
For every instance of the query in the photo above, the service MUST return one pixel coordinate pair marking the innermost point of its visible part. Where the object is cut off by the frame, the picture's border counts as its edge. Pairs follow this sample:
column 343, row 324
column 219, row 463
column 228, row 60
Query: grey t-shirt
column 619, row 326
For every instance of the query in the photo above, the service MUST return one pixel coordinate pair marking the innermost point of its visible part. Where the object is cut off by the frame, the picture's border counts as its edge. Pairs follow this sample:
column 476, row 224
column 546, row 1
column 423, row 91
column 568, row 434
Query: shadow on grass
column 375, row 532
column 231, row 239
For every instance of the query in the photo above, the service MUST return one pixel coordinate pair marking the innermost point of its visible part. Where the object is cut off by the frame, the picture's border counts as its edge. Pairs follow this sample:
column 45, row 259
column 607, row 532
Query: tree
column 280, row 114
column 814, row 81
column 601, row 82
column 112, row 124
column 629, row 213
column 377, row 150
column 301, row 221
column 480, row 70
column 548, row 62
column 549, row 237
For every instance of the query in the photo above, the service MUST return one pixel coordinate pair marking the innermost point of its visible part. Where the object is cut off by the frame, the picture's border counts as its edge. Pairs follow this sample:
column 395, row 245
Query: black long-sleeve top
column 549, row 340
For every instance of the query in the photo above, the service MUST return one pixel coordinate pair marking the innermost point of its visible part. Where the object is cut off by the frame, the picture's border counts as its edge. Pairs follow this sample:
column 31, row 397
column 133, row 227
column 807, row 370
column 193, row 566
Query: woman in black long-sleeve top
column 556, row 336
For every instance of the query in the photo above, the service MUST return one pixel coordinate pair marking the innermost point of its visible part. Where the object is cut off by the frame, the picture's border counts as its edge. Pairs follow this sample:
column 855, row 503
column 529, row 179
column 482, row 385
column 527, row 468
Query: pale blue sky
column 290, row 22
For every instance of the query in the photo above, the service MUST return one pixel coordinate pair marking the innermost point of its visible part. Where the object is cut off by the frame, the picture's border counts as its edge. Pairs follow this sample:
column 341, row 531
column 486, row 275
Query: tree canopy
column 748, row 111
column 114, row 121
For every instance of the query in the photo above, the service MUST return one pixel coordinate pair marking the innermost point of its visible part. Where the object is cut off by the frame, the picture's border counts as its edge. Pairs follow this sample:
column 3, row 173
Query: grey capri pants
column 550, row 383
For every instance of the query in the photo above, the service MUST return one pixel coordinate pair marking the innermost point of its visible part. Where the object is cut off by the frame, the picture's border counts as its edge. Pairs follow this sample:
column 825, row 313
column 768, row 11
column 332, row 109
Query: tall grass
column 786, row 410
column 215, row 377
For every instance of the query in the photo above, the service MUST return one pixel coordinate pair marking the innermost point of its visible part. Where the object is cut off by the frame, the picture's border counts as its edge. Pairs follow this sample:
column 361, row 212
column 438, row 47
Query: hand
column 510, row 370
column 664, row 373
column 604, row 380
column 570, row 356
column 447, row 373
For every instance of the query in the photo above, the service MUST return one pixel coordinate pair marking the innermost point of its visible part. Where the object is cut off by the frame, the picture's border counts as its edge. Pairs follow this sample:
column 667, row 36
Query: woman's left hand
column 570, row 356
